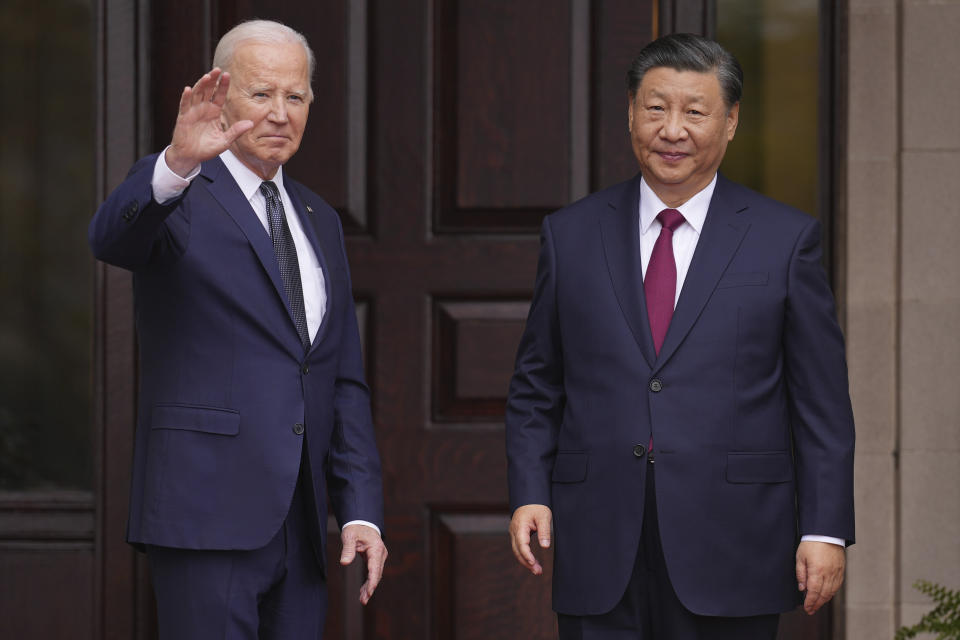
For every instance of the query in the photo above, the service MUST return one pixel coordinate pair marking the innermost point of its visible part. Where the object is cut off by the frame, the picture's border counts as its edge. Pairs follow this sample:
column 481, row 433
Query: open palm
column 199, row 134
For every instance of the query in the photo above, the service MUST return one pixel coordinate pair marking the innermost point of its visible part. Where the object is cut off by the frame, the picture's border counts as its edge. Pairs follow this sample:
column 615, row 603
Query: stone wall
column 902, row 272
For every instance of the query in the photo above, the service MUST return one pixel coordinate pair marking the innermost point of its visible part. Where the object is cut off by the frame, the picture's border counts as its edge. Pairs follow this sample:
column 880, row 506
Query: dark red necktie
column 660, row 283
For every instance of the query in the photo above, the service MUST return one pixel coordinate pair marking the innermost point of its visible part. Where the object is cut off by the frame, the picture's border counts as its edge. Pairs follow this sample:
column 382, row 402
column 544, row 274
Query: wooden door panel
column 474, row 345
column 502, row 112
column 479, row 592
column 620, row 29
column 46, row 591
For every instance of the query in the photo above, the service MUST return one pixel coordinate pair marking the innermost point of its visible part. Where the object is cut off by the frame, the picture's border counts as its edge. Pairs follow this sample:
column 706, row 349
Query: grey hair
column 689, row 52
column 266, row 31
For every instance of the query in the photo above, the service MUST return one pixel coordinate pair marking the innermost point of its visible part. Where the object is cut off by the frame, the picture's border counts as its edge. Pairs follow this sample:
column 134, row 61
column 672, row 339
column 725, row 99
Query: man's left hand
column 819, row 572
column 359, row 538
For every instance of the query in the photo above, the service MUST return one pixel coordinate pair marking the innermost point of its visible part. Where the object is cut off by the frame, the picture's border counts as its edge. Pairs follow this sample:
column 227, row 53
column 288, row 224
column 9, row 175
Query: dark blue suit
column 747, row 405
column 227, row 395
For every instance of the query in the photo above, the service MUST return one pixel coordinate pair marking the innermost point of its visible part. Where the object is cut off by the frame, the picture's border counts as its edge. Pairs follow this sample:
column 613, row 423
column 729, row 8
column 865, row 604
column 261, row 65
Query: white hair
column 267, row 31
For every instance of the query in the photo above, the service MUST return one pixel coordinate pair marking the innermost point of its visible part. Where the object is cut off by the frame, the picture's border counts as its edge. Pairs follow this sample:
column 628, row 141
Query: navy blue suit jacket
column 224, row 380
column 747, row 404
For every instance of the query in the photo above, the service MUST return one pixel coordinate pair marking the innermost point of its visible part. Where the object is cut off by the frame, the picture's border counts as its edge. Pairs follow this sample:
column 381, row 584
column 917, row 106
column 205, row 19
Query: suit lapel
column 306, row 214
column 723, row 231
column 620, row 230
column 224, row 189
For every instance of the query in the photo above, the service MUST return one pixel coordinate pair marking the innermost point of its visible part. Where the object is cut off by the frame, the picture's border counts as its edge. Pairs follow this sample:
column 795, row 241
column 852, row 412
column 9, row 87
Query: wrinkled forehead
column 254, row 59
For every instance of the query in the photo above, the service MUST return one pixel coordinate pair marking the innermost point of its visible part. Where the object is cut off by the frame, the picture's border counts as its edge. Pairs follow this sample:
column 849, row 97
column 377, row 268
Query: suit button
column 304, row 369
column 639, row 450
column 130, row 211
column 298, row 429
column 656, row 385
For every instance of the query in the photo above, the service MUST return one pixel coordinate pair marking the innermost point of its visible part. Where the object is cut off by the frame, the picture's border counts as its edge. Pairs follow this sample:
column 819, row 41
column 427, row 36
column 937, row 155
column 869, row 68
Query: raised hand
column 199, row 133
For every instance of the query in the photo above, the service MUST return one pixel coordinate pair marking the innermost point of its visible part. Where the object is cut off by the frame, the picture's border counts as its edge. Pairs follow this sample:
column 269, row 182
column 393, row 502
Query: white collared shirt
column 685, row 237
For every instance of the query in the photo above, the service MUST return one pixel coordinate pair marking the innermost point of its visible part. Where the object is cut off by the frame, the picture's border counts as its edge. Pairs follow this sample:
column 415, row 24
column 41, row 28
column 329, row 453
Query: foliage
column 944, row 619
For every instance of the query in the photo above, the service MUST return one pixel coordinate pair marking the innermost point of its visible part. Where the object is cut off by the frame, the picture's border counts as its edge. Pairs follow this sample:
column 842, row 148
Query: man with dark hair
column 253, row 407
column 679, row 422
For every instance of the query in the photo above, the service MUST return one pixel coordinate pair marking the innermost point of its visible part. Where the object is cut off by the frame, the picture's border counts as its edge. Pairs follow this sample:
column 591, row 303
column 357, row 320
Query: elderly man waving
column 253, row 409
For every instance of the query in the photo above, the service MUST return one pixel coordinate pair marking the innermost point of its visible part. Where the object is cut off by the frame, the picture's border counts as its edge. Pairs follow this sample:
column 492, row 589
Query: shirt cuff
column 837, row 541
column 364, row 523
column 166, row 184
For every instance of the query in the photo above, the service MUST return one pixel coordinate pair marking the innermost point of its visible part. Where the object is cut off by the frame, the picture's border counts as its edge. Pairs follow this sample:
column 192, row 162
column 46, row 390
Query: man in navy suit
column 253, row 408
column 679, row 421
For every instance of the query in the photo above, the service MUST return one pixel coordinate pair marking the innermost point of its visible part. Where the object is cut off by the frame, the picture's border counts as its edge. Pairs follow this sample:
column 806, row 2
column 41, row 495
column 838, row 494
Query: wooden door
column 486, row 115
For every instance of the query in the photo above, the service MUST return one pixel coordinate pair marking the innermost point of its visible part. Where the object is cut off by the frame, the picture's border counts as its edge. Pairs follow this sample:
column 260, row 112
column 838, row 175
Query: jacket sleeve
column 130, row 228
column 354, row 481
column 821, row 414
column 536, row 398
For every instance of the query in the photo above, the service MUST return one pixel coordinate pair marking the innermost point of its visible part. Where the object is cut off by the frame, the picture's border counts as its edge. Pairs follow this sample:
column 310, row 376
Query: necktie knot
column 670, row 219
column 269, row 189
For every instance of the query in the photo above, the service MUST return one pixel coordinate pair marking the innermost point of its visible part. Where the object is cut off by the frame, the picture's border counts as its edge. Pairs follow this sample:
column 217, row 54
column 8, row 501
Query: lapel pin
column 309, row 209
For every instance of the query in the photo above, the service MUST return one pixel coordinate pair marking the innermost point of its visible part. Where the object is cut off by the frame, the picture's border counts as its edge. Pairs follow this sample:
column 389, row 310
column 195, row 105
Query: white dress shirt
column 168, row 185
column 685, row 238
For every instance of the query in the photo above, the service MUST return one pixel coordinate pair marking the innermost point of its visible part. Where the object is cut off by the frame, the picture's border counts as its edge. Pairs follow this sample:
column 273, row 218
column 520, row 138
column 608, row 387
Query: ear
column 630, row 99
column 224, row 120
column 733, row 119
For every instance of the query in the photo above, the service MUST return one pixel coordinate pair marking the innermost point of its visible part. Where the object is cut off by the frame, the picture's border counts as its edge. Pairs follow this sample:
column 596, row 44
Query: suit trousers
column 275, row 592
column 650, row 608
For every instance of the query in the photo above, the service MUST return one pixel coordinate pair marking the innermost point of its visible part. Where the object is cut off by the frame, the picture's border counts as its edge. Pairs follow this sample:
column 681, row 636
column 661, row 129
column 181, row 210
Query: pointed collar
column 694, row 210
column 247, row 180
